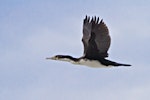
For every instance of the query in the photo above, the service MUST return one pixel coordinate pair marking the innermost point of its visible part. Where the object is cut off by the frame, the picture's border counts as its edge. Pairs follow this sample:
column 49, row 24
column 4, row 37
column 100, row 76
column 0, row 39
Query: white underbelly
column 91, row 63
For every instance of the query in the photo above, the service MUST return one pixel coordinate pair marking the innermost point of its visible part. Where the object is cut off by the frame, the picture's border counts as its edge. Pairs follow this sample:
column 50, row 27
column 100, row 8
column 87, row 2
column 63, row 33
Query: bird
column 96, row 42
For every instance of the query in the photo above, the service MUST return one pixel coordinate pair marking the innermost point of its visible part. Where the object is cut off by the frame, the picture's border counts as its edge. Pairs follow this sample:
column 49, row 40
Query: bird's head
column 60, row 57
column 56, row 57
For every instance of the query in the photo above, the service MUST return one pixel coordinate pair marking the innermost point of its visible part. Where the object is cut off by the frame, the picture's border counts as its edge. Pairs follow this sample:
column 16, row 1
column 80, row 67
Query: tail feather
column 126, row 65
column 118, row 64
column 108, row 62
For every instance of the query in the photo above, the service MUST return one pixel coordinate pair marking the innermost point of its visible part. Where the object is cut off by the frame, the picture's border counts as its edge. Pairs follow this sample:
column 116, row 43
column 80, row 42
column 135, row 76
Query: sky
column 31, row 30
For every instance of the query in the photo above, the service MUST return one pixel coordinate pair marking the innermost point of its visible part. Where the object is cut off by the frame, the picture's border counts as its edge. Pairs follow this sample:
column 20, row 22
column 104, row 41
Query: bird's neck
column 68, row 58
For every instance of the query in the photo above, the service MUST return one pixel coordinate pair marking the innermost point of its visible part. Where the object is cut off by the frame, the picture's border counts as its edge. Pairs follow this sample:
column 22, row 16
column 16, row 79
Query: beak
column 51, row 58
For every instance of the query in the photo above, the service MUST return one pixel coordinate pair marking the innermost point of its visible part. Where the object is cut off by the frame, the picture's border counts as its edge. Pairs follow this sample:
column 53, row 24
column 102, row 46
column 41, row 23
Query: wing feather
column 87, row 28
column 96, row 39
column 102, row 37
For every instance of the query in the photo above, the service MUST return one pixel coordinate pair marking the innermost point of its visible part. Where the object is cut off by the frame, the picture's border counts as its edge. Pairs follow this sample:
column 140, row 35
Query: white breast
column 91, row 63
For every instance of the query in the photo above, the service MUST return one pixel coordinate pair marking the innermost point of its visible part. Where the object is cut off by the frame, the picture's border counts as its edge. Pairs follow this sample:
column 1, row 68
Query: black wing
column 96, row 39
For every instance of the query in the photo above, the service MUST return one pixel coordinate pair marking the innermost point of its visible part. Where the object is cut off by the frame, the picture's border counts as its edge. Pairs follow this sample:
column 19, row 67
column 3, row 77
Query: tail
column 118, row 64
column 108, row 62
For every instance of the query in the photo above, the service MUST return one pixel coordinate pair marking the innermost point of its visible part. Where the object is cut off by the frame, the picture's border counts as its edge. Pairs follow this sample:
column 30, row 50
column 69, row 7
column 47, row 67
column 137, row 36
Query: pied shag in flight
column 96, row 41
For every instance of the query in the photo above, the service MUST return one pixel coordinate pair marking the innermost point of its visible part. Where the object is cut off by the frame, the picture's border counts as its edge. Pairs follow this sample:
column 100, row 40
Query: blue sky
column 31, row 30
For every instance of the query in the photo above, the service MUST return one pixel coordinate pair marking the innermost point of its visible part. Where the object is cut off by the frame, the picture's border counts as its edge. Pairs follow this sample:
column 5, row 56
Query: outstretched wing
column 96, row 38
column 87, row 28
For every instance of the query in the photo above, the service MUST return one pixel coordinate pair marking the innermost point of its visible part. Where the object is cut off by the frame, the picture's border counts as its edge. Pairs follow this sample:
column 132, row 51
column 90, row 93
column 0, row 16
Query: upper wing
column 87, row 28
column 96, row 37
column 102, row 38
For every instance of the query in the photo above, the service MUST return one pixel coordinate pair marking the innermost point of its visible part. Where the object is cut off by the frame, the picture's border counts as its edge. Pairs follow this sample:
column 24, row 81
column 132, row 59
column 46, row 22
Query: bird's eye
column 57, row 56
